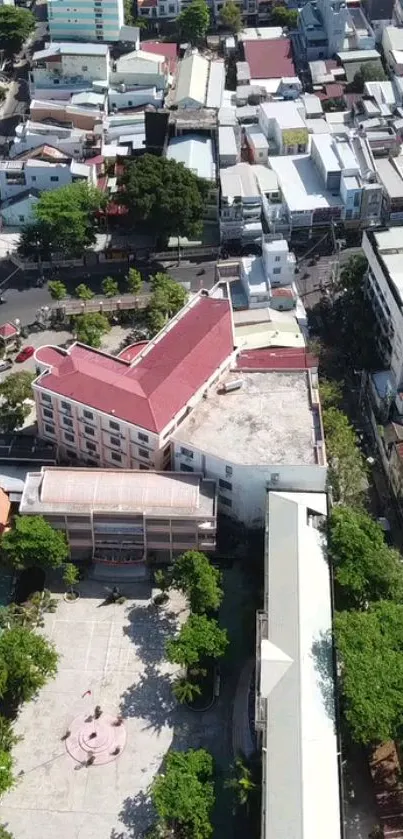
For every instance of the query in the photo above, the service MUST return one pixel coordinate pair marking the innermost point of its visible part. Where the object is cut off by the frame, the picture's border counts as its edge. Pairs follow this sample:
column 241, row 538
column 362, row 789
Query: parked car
column 5, row 365
column 25, row 353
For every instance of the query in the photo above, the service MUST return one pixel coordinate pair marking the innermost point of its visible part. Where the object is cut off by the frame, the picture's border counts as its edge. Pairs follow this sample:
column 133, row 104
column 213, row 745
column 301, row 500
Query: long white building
column 91, row 20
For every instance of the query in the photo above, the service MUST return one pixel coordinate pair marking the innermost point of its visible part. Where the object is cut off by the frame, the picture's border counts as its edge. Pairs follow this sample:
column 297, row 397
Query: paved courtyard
column 117, row 653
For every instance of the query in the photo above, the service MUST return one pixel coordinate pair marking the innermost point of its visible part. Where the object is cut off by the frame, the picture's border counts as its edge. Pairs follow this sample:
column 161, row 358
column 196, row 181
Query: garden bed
column 207, row 686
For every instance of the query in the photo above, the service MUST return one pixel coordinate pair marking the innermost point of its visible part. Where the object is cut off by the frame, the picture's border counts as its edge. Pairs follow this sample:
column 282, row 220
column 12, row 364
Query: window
column 171, row 10
column 143, row 437
column 98, row 14
column 54, row 178
column 144, row 453
column 91, row 446
column 225, row 485
column 162, row 9
column 71, row 453
column 69, row 437
column 47, row 413
column 88, row 415
column 277, row 259
column 49, row 428
column 56, row 81
column 185, row 468
column 65, row 406
column 115, row 426
column 89, row 430
column 226, row 501
column 130, row 103
column 186, row 452
column 357, row 199
column 68, row 422
column 301, row 148
column 21, row 219
column 46, row 398
column 276, row 270
column 143, row 466
column 84, row 67
column 116, row 456
column 115, row 441
column 228, row 471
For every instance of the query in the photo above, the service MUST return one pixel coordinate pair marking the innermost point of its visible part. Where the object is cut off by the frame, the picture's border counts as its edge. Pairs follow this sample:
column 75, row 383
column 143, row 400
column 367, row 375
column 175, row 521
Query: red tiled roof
column 166, row 50
column 152, row 390
column 276, row 359
column 7, row 330
column 50, row 355
column 130, row 353
column 270, row 59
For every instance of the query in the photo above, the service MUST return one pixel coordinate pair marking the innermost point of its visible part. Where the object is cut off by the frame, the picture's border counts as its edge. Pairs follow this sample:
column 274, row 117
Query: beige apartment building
column 123, row 517
column 116, row 412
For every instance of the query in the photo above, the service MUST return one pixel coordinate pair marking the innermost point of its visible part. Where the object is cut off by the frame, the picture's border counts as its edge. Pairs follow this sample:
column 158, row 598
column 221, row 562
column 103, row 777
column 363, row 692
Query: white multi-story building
column 260, row 430
column 260, row 275
column 119, row 412
column 18, row 175
column 295, row 715
column 67, row 68
column 384, row 290
column 90, row 20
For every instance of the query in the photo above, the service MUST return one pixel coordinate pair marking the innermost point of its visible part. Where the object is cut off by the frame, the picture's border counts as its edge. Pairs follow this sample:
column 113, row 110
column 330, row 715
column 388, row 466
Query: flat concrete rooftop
column 268, row 420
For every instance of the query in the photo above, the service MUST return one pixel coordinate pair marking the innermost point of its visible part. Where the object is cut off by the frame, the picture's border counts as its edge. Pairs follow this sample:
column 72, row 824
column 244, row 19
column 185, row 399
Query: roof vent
column 236, row 384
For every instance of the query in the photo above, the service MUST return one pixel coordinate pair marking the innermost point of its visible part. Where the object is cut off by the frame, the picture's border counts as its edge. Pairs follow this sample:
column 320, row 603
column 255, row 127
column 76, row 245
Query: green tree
column 65, row 221
column 199, row 638
column 29, row 660
column 162, row 580
column 347, row 470
column 193, row 22
column 15, row 27
column 368, row 72
column 5, row 834
column 14, row 391
column 164, row 195
column 6, row 773
column 231, row 16
column 281, row 16
column 84, row 292
column 370, row 647
column 90, row 328
column 366, row 569
column 129, row 16
column 134, row 281
column 57, row 290
column 32, row 541
column 71, row 576
column 245, row 782
column 195, row 576
column 110, row 287
column 185, row 691
column 183, row 795
column 331, row 393
column 156, row 320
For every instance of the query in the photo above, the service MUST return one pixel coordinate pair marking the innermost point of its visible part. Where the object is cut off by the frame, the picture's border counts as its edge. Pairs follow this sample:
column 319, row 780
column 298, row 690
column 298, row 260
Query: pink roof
column 50, row 355
column 166, row 50
column 7, row 330
column 270, row 59
column 130, row 353
column 276, row 359
column 160, row 382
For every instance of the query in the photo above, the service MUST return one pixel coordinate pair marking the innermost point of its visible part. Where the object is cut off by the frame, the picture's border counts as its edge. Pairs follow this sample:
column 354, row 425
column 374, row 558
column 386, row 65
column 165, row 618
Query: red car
column 25, row 353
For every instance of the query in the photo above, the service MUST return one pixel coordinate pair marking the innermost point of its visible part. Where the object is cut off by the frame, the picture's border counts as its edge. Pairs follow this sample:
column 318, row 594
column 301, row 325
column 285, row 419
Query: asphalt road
column 16, row 104
column 312, row 280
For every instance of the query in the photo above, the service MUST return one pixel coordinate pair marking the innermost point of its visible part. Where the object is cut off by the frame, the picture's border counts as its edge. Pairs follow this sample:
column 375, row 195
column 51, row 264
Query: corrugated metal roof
column 215, row 85
column 192, row 80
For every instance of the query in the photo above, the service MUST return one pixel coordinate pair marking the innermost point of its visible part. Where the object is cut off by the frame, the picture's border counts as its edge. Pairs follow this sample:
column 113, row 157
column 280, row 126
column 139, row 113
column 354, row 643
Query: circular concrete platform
column 95, row 741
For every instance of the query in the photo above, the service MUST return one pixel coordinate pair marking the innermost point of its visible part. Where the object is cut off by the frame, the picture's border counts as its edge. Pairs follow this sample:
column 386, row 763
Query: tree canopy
column 15, row 26
column 32, row 541
column 199, row 638
column 366, row 569
column 167, row 298
column 90, row 328
column 57, row 289
column 183, row 795
column 368, row 72
column 14, row 391
column 28, row 660
column 281, row 16
column 231, row 16
column 65, row 221
column 370, row 646
column 194, row 575
column 164, row 195
column 347, row 469
column 83, row 292
column 193, row 22
column 134, row 281
column 110, row 287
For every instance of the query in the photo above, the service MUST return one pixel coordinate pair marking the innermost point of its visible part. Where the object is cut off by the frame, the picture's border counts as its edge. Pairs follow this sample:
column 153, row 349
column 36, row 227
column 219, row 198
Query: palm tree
column 242, row 782
column 184, row 690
